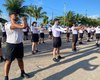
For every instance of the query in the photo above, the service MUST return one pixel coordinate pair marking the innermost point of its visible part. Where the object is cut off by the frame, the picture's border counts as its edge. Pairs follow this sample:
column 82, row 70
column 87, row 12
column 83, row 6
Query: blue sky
column 57, row 7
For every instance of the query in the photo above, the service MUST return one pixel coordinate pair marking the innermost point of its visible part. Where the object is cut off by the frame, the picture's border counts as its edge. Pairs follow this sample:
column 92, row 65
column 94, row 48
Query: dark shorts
column 3, row 34
column 0, row 42
column 35, row 37
column 80, row 35
column 57, row 42
column 41, row 35
column 97, row 36
column 14, row 51
column 92, row 33
column 75, row 38
column 25, row 33
column 89, row 35
column 50, row 33
column 68, row 35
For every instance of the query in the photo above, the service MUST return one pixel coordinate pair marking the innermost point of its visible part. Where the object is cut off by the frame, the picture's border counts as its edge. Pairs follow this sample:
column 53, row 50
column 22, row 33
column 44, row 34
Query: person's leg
column 54, row 52
column 21, row 66
column 7, row 69
column 33, row 47
column 36, row 47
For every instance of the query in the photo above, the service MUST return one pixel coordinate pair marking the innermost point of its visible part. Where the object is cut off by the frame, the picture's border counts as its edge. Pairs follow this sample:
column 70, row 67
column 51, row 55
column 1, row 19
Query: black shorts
column 98, row 36
column 3, row 34
column 25, row 33
column 35, row 38
column 41, row 35
column 92, row 33
column 75, row 38
column 89, row 35
column 50, row 33
column 14, row 51
column 57, row 42
column 80, row 35
column 0, row 42
column 68, row 35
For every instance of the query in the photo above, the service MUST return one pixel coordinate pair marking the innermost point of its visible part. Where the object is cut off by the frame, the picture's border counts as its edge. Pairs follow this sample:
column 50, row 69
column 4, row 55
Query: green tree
column 45, row 20
column 15, row 6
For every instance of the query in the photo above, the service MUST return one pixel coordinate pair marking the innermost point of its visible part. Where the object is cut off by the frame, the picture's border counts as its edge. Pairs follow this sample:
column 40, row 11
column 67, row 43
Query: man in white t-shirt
column 74, row 36
column 14, row 44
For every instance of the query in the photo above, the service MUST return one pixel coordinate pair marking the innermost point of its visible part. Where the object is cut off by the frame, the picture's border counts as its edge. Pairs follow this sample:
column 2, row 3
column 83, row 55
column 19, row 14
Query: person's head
column 34, row 24
column 13, row 16
column 24, row 18
column 56, row 21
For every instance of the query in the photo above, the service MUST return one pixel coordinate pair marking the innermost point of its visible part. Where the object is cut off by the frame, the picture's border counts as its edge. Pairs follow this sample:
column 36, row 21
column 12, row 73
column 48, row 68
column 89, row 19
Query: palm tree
column 70, row 18
column 45, row 20
column 15, row 6
column 0, row 12
column 38, row 13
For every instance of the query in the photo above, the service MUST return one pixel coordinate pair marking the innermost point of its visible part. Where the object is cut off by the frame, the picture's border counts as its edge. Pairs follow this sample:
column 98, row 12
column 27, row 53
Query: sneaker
column 97, row 44
column 33, row 52
column 55, row 60
column 59, row 57
column 74, row 50
column 24, row 75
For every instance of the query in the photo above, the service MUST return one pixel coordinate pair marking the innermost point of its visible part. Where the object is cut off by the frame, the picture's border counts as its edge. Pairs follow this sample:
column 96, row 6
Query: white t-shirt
column 14, row 36
column 3, row 29
column 92, row 29
column 25, row 30
column 97, row 30
column 34, row 30
column 88, row 30
column 80, row 31
column 50, row 29
column 56, row 30
column 73, row 30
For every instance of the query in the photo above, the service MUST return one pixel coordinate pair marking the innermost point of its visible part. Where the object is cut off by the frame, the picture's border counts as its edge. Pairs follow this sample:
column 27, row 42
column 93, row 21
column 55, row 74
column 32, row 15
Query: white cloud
column 94, row 16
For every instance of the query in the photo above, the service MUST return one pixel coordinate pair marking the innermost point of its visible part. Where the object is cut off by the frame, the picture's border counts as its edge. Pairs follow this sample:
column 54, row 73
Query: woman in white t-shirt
column 35, row 37
column 68, row 34
column 97, row 32
column 88, row 29
column 50, row 31
column 92, row 32
column 81, row 32
column 42, row 35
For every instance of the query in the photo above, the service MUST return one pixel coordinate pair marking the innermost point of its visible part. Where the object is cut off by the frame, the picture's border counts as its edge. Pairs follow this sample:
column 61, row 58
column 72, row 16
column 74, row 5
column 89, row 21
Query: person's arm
column 77, row 28
column 60, row 29
column 14, row 25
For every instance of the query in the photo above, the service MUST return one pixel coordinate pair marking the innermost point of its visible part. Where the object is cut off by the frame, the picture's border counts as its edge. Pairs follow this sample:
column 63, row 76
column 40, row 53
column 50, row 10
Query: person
column 56, row 31
column 81, row 32
column 75, row 29
column 1, row 57
column 50, row 31
column 92, row 32
column 35, row 37
column 97, row 31
column 68, row 34
column 3, row 33
column 42, row 35
column 88, row 29
column 14, row 44
column 25, row 31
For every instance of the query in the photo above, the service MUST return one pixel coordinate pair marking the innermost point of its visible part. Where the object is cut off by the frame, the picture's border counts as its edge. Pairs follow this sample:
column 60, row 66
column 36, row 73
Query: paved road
column 81, row 65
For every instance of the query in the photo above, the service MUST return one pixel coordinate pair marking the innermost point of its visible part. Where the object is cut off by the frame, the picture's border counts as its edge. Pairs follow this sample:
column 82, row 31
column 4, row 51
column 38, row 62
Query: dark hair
column 10, row 13
column 56, row 19
column 34, row 23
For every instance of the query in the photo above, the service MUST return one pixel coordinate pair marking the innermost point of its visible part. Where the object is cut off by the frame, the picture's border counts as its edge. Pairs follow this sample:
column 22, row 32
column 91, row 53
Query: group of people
column 14, row 42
